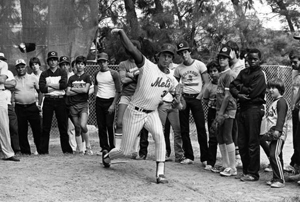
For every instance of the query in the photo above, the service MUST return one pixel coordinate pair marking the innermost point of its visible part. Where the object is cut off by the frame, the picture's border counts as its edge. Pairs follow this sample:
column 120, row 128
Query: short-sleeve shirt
column 226, row 77
column 210, row 93
column 108, row 83
column 128, row 66
column 76, row 81
column 237, row 67
column 152, row 85
column 25, row 89
column 191, row 76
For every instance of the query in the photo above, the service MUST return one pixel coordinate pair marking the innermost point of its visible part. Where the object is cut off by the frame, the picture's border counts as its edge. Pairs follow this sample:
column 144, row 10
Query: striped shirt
column 152, row 85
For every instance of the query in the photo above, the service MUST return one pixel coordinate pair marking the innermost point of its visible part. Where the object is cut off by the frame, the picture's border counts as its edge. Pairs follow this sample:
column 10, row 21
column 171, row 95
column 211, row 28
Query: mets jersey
column 152, row 85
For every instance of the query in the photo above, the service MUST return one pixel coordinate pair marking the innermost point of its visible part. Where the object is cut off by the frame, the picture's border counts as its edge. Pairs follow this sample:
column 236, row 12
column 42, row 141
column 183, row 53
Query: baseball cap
column 52, row 54
column 225, row 51
column 102, row 56
column 183, row 45
column 167, row 47
column 20, row 61
column 2, row 57
column 64, row 59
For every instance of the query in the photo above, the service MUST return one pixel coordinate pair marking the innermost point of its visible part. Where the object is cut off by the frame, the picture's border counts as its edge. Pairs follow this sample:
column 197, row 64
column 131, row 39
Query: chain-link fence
column 272, row 71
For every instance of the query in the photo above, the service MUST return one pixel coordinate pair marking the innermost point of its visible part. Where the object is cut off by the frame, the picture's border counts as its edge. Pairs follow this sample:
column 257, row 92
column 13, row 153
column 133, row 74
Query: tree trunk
column 132, row 18
column 285, row 12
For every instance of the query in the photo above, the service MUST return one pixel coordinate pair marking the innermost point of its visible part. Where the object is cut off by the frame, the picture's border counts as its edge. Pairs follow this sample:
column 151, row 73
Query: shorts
column 78, row 109
column 125, row 100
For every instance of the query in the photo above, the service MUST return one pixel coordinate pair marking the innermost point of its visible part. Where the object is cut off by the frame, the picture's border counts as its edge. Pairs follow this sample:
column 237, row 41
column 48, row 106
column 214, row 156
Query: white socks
column 118, row 140
column 225, row 159
column 231, row 155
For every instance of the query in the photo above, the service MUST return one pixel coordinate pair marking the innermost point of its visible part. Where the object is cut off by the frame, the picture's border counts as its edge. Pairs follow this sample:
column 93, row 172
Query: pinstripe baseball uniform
column 142, row 110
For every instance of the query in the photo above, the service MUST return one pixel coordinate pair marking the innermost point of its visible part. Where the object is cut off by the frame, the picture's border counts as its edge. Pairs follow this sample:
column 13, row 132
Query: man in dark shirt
column 249, row 88
column 53, row 83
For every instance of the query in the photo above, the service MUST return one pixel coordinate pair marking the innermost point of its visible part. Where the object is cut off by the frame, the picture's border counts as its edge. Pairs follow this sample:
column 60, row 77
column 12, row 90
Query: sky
column 269, row 19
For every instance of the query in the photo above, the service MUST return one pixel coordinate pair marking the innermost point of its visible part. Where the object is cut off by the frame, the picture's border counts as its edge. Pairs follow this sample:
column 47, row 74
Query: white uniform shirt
column 152, row 85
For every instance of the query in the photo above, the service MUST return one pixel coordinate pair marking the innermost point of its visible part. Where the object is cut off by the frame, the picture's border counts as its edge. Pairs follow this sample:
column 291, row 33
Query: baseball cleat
column 105, row 159
column 161, row 179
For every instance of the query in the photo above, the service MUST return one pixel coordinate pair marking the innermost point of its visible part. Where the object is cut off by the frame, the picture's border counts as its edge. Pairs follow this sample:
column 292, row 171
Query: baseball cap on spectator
column 52, row 54
column 2, row 57
column 64, row 59
column 183, row 45
column 225, row 51
column 102, row 56
column 167, row 47
column 20, row 61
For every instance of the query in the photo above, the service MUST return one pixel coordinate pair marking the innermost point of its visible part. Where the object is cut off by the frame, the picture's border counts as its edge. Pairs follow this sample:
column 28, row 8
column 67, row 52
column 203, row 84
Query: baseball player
column 154, row 81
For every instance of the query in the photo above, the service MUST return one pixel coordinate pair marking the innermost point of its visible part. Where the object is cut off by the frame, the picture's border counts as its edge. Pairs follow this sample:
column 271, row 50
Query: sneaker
column 134, row 155
column 208, row 167
column 161, row 179
column 229, row 172
column 204, row 163
column 289, row 169
column 277, row 185
column 99, row 153
column 217, row 169
column 142, row 157
column 88, row 151
column 178, row 160
column 268, row 168
column 248, row 178
column 105, row 159
column 269, row 182
column 239, row 176
column 298, row 182
column 187, row 161
column 168, row 158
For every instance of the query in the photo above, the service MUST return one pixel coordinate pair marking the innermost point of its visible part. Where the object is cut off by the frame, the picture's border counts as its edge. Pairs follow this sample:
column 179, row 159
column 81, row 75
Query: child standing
column 226, row 111
column 276, row 120
column 78, row 93
column 210, row 98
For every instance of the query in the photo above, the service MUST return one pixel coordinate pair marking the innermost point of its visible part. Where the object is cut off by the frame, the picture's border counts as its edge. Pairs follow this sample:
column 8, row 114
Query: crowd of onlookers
column 233, row 87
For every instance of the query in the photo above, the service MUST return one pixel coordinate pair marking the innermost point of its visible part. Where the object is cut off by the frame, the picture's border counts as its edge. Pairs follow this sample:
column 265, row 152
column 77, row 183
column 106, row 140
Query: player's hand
column 243, row 97
column 116, row 30
column 111, row 109
column 200, row 96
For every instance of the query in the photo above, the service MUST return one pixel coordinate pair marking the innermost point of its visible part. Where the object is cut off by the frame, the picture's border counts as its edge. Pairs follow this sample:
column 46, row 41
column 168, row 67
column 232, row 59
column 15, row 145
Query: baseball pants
column 133, row 122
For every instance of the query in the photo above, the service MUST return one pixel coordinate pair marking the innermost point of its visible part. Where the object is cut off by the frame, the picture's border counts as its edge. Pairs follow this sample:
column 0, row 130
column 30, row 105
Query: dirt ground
column 59, row 177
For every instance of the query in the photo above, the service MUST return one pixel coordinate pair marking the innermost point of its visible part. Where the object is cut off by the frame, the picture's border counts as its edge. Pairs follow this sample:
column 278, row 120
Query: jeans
column 13, row 129
column 105, row 122
column 165, row 111
column 59, row 107
column 249, row 122
column 213, row 142
column 28, row 114
column 194, row 105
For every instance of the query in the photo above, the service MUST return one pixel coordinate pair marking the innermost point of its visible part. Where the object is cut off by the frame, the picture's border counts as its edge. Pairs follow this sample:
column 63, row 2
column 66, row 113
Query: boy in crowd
column 277, row 127
column 249, row 87
column 194, row 77
column 77, row 96
column 226, row 110
column 210, row 98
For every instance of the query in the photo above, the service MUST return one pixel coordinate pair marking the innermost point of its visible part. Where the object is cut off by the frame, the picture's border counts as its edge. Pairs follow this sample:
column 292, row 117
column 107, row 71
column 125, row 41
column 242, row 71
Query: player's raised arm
column 128, row 45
